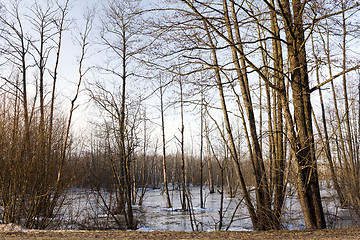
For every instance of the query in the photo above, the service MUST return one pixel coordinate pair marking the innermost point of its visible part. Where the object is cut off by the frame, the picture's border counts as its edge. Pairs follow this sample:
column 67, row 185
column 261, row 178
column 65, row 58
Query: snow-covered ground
column 11, row 227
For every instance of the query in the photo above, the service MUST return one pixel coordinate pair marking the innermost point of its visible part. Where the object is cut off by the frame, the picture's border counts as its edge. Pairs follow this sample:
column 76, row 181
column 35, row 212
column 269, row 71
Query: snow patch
column 11, row 227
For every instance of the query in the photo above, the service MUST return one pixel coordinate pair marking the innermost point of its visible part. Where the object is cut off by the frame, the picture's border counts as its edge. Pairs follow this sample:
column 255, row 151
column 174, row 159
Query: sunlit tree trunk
column 326, row 141
column 60, row 28
column 353, row 182
column 308, row 184
column 233, row 151
column 279, row 151
column 208, row 158
column 183, row 185
column 264, row 210
column 165, row 182
column 201, row 151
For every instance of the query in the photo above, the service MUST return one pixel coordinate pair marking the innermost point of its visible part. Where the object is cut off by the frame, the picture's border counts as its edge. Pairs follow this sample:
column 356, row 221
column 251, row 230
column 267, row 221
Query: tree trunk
column 168, row 202
column 326, row 141
column 208, row 156
column 234, row 155
column 183, row 185
column 201, row 152
column 308, row 184
column 279, row 152
column 264, row 211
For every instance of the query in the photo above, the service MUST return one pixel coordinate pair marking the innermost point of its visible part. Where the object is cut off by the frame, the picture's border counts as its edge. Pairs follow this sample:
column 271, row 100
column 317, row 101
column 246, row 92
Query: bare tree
column 121, row 36
column 182, row 129
column 162, row 112
column 38, row 168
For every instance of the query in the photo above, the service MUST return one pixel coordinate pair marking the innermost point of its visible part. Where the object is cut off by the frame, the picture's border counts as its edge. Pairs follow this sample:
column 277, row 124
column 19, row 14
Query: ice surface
column 84, row 209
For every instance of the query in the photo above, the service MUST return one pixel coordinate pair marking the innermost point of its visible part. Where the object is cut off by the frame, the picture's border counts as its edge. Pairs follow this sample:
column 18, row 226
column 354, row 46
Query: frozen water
column 85, row 209
column 155, row 215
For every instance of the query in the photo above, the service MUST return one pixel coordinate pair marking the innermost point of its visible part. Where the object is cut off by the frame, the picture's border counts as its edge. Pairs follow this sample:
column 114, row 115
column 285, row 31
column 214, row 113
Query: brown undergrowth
column 344, row 233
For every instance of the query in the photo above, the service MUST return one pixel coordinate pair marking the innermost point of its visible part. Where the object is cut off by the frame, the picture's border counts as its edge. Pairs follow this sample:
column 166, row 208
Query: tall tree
column 162, row 112
column 308, row 183
column 120, row 35
column 182, row 130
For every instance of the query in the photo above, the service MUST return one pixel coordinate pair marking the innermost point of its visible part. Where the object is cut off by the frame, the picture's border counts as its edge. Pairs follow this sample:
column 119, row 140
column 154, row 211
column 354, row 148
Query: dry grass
column 345, row 233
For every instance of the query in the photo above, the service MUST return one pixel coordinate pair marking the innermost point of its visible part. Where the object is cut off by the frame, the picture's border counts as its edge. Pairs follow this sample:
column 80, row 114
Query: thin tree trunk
column 55, row 75
column 125, row 161
column 355, row 188
column 168, row 202
column 326, row 142
column 265, row 214
column 183, row 184
column 208, row 156
column 279, row 152
column 234, row 154
column 342, row 156
column 201, row 151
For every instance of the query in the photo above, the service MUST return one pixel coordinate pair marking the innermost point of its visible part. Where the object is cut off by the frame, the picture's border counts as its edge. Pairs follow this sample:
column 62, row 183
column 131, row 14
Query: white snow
column 11, row 227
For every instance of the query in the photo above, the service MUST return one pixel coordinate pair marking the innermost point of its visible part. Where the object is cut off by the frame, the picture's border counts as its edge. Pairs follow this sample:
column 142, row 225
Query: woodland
column 251, row 99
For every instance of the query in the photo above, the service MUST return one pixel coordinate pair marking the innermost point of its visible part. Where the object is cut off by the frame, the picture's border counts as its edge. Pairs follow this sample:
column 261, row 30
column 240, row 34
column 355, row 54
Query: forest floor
column 344, row 233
